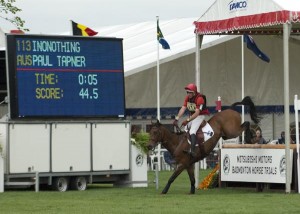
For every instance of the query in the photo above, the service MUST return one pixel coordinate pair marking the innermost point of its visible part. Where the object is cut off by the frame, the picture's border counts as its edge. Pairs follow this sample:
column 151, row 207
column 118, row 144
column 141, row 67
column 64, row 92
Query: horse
column 225, row 124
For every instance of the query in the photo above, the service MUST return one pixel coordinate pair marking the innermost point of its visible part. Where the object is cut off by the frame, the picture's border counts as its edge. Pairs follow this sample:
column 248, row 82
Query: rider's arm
column 180, row 113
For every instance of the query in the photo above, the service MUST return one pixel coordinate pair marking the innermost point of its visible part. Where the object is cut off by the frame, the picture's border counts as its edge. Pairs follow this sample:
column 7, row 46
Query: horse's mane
column 178, row 133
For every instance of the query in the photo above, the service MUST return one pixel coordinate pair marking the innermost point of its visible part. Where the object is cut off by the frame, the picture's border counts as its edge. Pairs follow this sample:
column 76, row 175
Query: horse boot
column 193, row 145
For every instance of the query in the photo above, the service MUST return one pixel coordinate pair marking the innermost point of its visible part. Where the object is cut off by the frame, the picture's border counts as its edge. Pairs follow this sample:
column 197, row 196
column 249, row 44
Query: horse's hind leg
column 177, row 172
column 248, row 135
column 190, row 171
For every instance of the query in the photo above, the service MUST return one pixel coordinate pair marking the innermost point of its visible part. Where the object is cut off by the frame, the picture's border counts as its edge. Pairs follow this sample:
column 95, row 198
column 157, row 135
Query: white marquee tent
column 220, row 70
column 273, row 17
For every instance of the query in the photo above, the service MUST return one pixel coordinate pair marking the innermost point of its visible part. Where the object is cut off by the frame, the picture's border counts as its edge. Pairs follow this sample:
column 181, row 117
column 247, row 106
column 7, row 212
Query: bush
column 140, row 140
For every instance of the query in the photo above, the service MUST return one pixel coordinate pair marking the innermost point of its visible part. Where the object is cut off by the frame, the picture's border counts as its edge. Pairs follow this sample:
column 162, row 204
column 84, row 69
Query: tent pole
column 286, row 28
column 296, row 107
column 243, row 84
column 198, row 39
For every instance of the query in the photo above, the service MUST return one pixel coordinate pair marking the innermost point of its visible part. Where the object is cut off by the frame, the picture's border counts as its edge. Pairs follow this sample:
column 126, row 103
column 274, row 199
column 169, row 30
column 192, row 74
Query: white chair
column 157, row 159
column 153, row 161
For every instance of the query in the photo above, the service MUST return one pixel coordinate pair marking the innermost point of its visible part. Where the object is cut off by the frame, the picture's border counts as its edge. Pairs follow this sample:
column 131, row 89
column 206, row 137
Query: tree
column 8, row 12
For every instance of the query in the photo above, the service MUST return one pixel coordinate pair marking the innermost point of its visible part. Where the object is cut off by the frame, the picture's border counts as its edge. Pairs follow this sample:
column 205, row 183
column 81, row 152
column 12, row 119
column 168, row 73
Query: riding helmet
column 191, row 87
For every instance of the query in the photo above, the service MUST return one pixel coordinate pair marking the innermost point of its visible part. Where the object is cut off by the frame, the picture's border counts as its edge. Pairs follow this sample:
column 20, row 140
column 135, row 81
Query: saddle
column 200, row 133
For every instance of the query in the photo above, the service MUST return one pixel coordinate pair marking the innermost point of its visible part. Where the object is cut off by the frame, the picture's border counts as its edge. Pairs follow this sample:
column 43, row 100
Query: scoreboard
column 65, row 76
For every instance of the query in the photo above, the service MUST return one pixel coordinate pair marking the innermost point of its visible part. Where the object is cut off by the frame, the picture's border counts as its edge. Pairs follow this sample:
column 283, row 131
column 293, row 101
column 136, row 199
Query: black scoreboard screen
column 65, row 76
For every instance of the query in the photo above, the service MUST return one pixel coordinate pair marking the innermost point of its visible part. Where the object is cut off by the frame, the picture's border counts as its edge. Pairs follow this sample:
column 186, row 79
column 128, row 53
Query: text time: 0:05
column 90, row 79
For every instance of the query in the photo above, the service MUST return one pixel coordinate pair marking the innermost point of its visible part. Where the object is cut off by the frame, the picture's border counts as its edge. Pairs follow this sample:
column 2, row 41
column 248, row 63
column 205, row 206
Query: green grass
column 108, row 199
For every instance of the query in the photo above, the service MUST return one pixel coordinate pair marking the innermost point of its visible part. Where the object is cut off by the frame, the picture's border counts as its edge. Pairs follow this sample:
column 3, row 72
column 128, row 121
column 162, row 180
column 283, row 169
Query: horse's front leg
column 191, row 173
column 177, row 172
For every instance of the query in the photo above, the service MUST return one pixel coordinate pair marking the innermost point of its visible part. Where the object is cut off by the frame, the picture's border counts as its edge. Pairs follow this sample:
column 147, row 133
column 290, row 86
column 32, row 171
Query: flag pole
column 158, row 95
column 157, row 74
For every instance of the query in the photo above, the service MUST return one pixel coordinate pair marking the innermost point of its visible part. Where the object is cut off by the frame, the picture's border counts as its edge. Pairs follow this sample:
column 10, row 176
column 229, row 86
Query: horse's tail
column 253, row 114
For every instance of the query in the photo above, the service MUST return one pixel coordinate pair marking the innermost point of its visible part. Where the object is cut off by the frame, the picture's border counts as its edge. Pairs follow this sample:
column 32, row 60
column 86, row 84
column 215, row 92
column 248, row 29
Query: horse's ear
column 158, row 122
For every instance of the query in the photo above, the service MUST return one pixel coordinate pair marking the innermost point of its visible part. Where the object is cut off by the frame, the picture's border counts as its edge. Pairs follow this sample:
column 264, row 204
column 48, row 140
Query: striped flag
column 81, row 30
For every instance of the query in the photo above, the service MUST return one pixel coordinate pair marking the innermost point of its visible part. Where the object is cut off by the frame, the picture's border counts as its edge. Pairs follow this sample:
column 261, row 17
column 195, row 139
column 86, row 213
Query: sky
column 53, row 16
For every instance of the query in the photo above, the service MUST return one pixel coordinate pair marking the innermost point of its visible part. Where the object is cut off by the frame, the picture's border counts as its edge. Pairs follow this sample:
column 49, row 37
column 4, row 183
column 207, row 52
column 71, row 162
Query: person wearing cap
column 195, row 103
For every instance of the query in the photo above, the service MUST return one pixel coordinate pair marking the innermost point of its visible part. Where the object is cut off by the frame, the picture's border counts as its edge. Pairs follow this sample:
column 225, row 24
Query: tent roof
column 140, row 44
column 256, row 16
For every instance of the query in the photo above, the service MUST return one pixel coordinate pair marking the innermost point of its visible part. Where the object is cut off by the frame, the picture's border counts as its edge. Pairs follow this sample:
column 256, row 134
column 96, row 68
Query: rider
column 196, row 105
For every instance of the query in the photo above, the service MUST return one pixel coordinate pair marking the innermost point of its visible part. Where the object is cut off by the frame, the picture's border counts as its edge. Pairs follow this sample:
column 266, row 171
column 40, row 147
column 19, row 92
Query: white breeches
column 193, row 126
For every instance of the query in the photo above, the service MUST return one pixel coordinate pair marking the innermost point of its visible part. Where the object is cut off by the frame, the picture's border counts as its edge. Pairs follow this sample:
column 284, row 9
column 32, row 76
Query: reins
column 178, row 130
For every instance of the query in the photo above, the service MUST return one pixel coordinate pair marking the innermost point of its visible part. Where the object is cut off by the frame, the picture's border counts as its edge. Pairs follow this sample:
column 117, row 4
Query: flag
column 252, row 46
column 161, row 38
column 81, row 30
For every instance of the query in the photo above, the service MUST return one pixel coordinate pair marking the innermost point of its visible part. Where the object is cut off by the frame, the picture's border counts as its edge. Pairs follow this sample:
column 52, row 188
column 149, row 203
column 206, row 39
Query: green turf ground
column 108, row 199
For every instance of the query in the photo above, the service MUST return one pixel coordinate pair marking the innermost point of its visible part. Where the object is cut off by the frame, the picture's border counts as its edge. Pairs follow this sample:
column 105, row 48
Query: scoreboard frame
column 48, row 78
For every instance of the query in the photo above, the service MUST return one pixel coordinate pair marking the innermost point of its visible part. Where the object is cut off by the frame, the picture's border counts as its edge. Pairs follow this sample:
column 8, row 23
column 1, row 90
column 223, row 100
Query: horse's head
column 155, row 135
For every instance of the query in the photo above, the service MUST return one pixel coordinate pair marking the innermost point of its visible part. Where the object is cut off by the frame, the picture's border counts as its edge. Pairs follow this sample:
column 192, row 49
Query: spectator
column 281, row 140
column 259, row 138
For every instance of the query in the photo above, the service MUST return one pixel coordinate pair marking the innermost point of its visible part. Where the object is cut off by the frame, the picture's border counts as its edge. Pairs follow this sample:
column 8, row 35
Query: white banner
column 254, row 165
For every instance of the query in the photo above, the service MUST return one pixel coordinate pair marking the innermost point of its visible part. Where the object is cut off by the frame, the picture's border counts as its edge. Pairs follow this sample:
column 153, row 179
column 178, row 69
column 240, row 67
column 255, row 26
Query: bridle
column 157, row 137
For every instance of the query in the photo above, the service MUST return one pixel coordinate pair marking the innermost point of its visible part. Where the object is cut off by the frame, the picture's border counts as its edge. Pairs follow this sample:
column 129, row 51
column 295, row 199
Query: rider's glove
column 184, row 123
column 175, row 122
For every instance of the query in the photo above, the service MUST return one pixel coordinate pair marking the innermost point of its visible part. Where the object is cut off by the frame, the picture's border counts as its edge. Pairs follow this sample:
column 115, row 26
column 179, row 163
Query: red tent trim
column 246, row 22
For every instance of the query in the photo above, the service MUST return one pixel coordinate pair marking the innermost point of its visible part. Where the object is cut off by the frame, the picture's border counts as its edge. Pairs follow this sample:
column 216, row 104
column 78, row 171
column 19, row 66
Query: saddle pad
column 207, row 132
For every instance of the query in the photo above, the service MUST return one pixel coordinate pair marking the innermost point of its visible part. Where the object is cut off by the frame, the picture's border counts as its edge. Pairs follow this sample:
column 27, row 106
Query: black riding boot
column 193, row 145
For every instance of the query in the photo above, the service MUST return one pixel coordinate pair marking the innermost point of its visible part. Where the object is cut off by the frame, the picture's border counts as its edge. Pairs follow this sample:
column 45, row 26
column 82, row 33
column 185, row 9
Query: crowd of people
column 259, row 139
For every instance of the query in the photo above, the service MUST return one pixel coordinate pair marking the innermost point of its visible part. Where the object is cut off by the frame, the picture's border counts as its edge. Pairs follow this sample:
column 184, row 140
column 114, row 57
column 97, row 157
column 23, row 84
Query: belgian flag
column 81, row 30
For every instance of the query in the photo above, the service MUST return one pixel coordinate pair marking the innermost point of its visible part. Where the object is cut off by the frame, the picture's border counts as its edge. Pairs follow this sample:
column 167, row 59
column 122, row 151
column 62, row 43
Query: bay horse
column 225, row 124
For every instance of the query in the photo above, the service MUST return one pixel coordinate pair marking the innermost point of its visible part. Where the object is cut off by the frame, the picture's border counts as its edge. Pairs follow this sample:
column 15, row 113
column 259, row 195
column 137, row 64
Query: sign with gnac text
column 65, row 76
column 254, row 165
